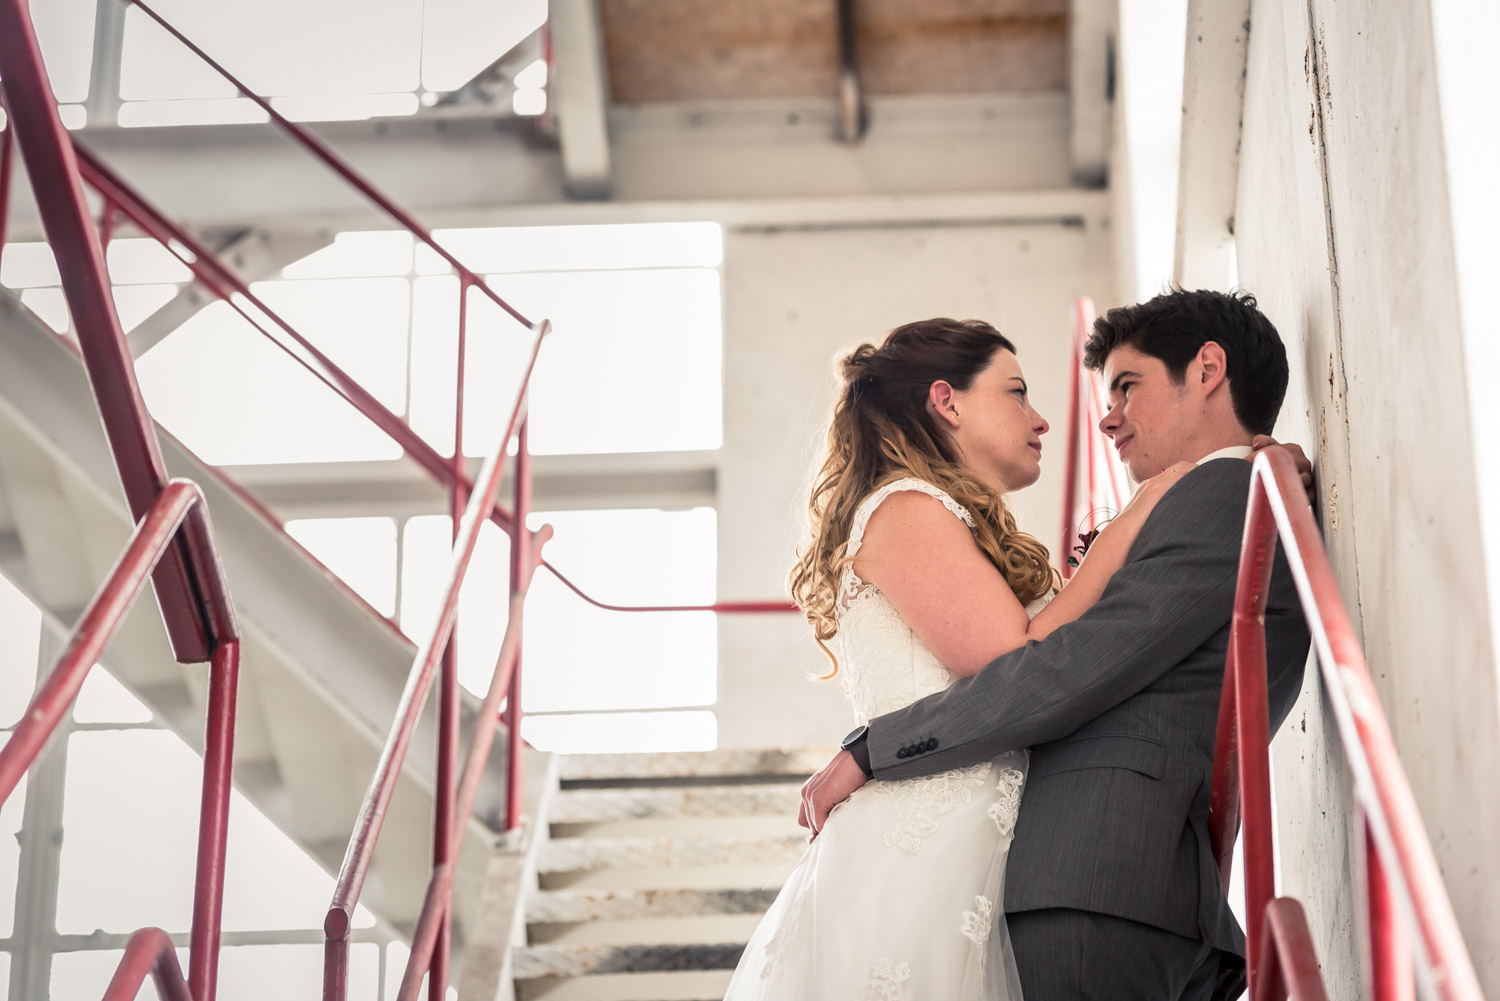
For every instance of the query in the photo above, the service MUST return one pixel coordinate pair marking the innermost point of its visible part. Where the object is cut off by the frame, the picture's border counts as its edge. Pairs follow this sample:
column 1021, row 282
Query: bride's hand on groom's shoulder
column 828, row 787
column 1151, row 490
column 1304, row 464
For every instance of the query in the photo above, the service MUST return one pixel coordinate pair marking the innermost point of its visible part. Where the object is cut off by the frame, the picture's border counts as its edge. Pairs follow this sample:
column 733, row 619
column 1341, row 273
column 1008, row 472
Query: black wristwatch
column 858, row 746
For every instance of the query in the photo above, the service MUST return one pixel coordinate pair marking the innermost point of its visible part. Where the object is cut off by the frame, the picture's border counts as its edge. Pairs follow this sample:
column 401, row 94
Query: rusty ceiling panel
column 675, row 50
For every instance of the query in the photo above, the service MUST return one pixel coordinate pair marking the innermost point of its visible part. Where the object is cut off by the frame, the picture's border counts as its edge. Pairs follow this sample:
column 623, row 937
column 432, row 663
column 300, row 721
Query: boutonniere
column 1086, row 539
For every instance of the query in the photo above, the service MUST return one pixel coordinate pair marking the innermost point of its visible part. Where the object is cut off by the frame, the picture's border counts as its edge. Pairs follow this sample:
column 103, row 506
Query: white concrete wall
column 1345, row 231
column 795, row 298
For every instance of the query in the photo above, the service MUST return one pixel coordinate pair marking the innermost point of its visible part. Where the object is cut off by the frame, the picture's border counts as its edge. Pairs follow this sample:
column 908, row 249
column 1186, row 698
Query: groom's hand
column 828, row 787
column 1304, row 464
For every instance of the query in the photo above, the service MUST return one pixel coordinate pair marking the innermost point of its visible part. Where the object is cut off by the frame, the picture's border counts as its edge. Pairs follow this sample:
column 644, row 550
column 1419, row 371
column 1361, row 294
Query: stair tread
column 791, row 762
column 688, row 985
column 614, row 905
column 584, row 805
column 538, row 961
column 571, row 854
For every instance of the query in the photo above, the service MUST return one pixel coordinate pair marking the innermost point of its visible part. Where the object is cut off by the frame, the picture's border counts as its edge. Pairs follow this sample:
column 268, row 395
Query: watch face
column 855, row 735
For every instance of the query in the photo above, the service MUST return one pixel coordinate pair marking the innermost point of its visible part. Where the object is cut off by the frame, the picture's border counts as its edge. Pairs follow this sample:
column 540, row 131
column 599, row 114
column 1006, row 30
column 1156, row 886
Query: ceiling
column 683, row 50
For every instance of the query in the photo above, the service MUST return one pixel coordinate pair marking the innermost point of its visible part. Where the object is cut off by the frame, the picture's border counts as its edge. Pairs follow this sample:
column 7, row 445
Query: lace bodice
column 883, row 663
column 934, row 847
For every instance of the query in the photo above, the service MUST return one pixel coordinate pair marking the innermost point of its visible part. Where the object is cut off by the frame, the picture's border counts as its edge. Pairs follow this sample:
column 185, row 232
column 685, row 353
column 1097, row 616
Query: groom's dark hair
column 1174, row 325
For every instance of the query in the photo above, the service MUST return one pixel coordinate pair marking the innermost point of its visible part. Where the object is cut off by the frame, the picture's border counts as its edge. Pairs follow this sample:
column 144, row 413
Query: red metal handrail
column 121, row 201
column 172, row 544
column 219, row 279
column 1108, row 489
column 377, row 799
column 179, row 505
column 1401, row 868
column 52, row 166
column 207, row 267
column 308, row 140
column 148, row 953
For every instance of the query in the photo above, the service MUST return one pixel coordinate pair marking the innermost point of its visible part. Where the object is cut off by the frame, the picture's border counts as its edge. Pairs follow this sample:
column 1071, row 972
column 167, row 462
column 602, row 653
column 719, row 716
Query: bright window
column 232, row 396
column 362, row 551
column 336, row 59
column 634, row 363
column 65, row 31
column 577, row 657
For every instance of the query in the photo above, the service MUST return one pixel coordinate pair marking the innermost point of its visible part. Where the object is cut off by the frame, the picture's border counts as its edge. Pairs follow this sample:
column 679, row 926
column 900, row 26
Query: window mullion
column 41, row 852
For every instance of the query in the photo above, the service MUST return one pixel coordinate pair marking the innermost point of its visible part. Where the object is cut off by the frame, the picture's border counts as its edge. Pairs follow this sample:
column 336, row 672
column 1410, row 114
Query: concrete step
column 540, row 961
column 691, row 985
column 705, row 877
column 589, row 854
column 679, row 827
column 775, row 762
column 621, row 905
column 597, row 805
column 703, row 929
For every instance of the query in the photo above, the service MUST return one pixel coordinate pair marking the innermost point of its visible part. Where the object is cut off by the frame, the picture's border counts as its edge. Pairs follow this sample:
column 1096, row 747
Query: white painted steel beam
column 254, row 256
column 103, row 103
column 579, row 92
column 316, row 661
column 726, row 152
column 1091, row 34
column 1213, row 99
column 40, row 838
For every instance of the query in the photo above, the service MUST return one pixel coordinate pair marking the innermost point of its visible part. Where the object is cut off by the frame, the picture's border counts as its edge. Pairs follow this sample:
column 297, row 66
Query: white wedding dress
column 901, row 897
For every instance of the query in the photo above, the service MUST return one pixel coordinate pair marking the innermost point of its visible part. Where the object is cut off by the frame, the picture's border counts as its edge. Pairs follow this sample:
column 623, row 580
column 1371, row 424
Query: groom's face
column 1150, row 416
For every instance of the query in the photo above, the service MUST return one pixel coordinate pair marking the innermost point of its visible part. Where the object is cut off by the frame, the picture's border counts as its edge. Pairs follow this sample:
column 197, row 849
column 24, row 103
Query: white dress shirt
column 1232, row 452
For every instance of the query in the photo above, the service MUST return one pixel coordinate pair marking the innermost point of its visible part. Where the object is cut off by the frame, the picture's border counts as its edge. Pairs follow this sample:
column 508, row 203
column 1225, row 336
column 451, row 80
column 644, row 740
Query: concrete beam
column 1213, row 100
column 563, row 482
column 579, row 91
column 724, row 151
column 1091, row 52
column 254, row 255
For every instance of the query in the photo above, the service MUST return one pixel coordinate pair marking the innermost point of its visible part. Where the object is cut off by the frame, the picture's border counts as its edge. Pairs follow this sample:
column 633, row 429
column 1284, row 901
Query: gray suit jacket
column 1119, row 709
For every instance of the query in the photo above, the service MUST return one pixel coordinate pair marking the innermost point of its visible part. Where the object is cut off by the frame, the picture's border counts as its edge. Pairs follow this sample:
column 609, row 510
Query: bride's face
column 997, row 430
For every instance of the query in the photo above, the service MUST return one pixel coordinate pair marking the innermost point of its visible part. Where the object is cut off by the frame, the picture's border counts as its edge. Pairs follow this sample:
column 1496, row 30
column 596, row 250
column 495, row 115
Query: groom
column 1111, row 888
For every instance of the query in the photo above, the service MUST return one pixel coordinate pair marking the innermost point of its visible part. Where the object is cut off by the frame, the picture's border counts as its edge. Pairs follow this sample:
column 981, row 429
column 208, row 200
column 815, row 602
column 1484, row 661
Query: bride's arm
column 926, row 563
column 1105, row 555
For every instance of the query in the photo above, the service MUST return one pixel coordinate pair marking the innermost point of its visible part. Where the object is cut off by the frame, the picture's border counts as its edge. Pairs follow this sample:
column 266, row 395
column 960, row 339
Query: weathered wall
column 792, row 300
column 1344, row 231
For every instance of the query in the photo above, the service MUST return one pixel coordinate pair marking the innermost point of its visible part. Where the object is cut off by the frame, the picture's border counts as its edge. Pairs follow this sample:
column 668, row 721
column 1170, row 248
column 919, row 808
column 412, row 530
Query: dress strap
column 869, row 504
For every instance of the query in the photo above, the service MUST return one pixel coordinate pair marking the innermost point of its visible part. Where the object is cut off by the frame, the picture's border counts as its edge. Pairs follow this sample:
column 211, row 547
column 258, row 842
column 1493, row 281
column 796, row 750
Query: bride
column 930, row 431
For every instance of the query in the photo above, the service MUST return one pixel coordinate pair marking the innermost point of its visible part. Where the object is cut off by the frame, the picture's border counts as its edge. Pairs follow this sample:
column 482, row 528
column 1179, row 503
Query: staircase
column 321, row 670
column 655, row 870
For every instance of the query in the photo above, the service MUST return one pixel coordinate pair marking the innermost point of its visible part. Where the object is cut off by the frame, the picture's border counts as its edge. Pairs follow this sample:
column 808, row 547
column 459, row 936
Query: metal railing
column 1107, row 490
column 1402, row 876
column 172, row 544
column 470, row 502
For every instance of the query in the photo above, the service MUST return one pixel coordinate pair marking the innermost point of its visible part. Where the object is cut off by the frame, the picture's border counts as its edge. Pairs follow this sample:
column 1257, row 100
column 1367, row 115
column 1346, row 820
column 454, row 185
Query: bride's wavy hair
column 882, row 430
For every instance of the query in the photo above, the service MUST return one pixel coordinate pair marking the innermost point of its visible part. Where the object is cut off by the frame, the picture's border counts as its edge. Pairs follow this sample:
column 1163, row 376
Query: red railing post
column 1291, row 962
column 213, row 821
column 1252, row 714
column 149, row 953
column 367, row 826
column 107, row 217
column 95, row 628
column 520, row 569
column 444, row 819
column 1402, row 876
column 1070, row 458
